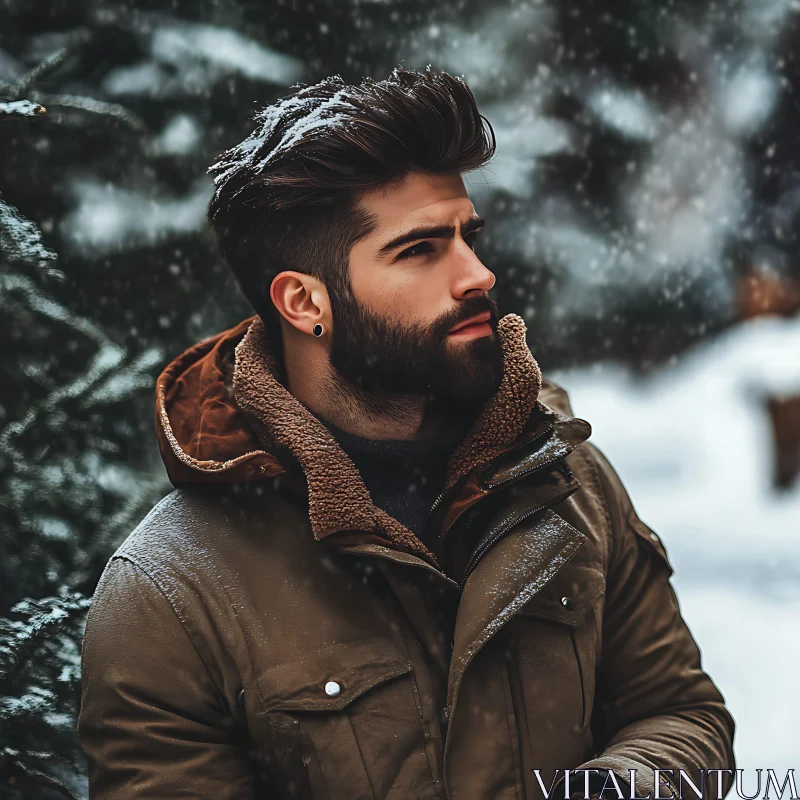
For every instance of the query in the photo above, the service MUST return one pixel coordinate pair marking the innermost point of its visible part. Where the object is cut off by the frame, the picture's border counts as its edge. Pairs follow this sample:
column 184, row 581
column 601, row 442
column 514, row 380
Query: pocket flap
column 354, row 667
column 569, row 596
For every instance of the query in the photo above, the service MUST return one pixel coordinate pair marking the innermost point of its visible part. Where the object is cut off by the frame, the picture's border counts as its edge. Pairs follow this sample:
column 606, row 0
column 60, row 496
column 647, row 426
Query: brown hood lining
column 201, row 432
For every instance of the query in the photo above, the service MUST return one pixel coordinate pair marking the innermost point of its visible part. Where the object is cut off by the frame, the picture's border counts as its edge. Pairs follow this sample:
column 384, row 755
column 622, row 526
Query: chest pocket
column 557, row 638
column 348, row 719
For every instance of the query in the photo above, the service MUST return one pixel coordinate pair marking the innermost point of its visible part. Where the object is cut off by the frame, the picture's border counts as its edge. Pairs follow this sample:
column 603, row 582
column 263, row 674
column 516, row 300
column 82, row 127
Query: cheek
column 403, row 292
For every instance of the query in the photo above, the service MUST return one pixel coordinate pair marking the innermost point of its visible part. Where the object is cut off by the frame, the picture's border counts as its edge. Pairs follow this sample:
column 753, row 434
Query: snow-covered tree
column 68, row 490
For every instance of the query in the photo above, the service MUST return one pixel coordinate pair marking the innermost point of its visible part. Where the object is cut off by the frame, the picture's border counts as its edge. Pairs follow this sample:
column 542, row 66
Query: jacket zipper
column 437, row 501
column 542, row 434
column 487, row 545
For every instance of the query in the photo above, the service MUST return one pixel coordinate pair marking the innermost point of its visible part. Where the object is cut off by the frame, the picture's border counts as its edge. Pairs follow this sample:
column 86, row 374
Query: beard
column 377, row 355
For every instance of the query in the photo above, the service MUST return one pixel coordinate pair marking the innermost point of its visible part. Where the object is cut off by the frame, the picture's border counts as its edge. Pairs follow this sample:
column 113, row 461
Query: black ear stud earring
column 318, row 330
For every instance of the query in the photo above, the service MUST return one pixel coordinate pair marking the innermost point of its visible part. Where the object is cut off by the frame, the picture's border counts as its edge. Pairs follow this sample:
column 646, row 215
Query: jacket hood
column 222, row 416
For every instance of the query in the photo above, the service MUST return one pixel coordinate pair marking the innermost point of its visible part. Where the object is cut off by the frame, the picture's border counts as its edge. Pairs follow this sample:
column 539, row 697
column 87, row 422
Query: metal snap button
column 332, row 689
column 567, row 603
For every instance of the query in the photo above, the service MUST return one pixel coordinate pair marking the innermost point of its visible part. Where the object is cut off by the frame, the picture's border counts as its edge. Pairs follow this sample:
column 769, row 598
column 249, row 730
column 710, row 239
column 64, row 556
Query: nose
column 471, row 276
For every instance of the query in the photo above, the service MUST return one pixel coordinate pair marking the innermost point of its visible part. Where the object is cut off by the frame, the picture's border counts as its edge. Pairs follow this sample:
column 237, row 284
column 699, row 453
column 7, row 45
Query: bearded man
column 392, row 565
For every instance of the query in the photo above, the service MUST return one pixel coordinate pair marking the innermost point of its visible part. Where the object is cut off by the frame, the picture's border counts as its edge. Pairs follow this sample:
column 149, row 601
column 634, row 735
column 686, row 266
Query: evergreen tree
column 68, row 492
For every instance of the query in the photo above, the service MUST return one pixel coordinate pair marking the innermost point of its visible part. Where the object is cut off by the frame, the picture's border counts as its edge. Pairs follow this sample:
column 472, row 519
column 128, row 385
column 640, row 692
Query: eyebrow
column 432, row 232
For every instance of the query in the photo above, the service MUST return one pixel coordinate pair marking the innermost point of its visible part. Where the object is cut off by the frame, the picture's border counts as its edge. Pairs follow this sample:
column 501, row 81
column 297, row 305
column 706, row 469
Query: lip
column 476, row 320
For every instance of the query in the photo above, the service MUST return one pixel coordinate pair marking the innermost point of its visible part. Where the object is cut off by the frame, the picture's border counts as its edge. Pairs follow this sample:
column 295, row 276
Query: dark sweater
column 403, row 477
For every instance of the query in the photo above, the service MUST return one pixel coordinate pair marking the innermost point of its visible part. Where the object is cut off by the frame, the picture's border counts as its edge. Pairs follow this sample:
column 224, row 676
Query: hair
column 287, row 197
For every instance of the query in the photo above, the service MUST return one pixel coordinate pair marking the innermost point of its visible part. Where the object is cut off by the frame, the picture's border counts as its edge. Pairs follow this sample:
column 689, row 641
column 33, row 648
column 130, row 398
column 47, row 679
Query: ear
column 302, row 300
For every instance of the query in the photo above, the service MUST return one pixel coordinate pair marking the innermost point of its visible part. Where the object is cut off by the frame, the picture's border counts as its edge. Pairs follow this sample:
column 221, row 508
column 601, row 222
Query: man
column 392, row 566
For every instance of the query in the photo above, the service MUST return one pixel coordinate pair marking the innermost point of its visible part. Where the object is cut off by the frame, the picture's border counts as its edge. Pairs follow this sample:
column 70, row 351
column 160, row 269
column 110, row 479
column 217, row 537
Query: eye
column 418, row 249
column 471, row 238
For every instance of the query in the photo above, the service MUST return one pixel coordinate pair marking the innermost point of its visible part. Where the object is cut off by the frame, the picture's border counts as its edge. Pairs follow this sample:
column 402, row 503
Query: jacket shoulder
column 602, row 484
column 623, row 522
column 192, row 534
column 169, row 531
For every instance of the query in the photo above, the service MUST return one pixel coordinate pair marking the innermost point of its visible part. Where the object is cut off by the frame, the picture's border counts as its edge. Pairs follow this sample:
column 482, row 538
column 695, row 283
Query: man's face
column 412, row 280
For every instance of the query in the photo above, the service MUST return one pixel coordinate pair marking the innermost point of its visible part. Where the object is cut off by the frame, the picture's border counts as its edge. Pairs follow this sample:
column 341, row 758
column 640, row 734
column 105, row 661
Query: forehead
column 419, row 198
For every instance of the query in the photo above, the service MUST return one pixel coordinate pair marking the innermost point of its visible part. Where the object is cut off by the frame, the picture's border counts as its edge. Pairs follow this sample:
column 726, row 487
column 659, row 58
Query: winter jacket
column 268, row 632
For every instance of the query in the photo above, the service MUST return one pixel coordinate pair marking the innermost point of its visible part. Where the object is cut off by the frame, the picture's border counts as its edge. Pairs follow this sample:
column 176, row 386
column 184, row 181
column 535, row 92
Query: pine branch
column 17, row 107
column 19, row 638
column 51, row 63
column 14, row 772
column 20, row 108
column 21, row 239
column 23, row 285
column 92, row 106
column 33, row 698
column 27, row 707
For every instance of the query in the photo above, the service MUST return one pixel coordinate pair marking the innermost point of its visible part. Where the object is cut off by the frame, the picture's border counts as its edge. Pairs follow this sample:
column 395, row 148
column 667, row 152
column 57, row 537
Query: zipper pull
column 436, row 502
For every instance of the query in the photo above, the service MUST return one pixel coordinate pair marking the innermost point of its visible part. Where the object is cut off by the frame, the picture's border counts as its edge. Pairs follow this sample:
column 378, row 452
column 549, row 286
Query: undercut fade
column 287, row 197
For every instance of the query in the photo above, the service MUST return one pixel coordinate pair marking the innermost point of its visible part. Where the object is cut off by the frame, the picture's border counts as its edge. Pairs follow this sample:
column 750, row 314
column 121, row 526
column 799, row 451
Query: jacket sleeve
column 656, row 707
column 152, row 724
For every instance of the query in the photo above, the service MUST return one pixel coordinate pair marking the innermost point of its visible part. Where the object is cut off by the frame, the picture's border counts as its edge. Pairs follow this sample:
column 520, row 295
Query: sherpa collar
column 338, row 500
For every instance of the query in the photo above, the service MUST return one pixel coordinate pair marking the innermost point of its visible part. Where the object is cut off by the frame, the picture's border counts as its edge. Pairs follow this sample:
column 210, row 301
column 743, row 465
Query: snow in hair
column 320, row 115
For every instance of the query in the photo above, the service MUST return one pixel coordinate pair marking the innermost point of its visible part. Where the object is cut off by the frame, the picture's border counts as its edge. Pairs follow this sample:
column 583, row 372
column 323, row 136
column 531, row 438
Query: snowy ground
column 693, row 445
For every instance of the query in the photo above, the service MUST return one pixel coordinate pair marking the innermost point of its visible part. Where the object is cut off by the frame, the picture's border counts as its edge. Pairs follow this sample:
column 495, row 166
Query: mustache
column 465, row 310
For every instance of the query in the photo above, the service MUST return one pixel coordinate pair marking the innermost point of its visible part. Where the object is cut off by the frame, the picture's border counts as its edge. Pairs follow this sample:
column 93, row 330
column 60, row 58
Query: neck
column 371, row 415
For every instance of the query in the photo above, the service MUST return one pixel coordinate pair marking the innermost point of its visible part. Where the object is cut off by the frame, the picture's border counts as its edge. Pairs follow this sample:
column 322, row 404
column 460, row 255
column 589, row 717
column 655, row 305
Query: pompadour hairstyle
column 287, row 196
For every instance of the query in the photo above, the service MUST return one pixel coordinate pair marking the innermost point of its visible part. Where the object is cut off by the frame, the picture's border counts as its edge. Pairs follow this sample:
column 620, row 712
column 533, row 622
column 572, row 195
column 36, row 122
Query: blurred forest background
column 642, row 217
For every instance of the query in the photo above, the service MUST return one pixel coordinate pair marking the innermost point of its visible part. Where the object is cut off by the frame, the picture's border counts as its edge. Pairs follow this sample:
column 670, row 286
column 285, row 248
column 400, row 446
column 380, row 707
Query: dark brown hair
column 287, row 196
